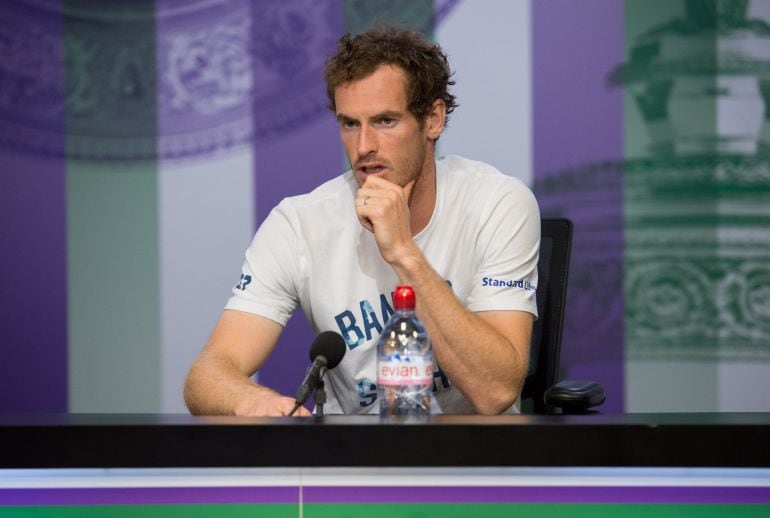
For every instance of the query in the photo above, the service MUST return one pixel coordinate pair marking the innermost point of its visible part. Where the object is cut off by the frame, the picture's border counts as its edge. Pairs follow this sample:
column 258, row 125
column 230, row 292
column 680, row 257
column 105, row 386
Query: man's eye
column 349, row 124
column 387, row 122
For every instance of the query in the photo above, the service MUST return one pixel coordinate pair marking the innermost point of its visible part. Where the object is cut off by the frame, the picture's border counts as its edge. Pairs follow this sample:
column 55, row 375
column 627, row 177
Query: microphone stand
column 319, row 396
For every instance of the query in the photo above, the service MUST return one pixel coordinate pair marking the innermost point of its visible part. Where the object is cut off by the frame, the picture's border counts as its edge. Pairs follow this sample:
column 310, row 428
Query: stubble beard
column 414, row 167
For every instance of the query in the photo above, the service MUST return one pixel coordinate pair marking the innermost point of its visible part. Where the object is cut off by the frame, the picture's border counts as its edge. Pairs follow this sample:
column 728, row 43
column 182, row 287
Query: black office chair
column 541, row 393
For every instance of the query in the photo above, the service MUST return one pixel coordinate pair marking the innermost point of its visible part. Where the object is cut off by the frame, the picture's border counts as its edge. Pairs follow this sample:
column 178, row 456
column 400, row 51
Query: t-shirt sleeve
column 268, row 283
column 509, row 246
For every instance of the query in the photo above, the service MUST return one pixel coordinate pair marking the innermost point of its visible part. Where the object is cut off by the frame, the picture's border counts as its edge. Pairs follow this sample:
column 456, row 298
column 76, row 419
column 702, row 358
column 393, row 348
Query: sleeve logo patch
column 245, row 281
column 520, row 283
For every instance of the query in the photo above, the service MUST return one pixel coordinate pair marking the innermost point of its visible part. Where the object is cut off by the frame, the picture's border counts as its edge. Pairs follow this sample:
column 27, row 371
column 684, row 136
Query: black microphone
column 326, row 353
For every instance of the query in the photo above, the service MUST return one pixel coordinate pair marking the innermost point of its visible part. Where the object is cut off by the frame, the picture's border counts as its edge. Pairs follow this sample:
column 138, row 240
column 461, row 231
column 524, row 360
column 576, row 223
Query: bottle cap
column 403, row 297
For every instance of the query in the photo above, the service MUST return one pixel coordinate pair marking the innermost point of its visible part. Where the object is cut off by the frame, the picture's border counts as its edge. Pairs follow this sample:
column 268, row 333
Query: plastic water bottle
column 404, row 361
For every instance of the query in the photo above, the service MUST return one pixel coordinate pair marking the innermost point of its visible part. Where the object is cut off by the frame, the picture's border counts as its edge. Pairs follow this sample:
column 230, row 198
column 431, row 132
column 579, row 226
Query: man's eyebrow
column 341, row 117
column 387, row 114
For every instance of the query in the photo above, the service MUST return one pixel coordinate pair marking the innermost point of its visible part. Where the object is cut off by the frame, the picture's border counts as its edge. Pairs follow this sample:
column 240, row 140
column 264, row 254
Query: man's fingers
column 302, row 411
column 379, row 200
column 273, row 405
column 287, row 404
column 375, row 183
column 366, row 223
column 362, row 208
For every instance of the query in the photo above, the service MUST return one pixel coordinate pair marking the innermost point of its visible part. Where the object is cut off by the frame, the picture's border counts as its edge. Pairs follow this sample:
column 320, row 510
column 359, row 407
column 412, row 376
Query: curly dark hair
column 425, row 64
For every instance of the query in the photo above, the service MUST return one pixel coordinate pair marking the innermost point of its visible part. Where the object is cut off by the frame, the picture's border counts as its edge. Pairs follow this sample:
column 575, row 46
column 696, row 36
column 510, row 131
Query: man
column 465, row 236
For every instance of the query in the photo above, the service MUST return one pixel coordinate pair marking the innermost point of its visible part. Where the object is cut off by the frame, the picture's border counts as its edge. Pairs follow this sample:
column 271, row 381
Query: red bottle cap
column 403, row 297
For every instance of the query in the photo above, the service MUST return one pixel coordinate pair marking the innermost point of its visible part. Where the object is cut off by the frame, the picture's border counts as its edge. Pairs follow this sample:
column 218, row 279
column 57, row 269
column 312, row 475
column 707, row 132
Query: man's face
column 380, row 135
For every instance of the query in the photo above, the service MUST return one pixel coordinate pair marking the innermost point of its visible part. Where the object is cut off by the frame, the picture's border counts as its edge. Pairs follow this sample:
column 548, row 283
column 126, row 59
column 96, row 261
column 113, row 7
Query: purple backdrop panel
column 578, row 118
column 578, row 141
column 538, row 494
column 296, row 139
column 33, row 269
column 150, row 495
column 293, row 165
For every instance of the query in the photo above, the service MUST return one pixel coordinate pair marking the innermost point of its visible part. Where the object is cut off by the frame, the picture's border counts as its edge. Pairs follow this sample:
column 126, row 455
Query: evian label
column 405, row 371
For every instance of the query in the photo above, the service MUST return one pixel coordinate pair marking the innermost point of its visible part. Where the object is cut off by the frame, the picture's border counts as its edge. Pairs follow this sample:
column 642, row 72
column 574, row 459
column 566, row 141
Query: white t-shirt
column 311, row 251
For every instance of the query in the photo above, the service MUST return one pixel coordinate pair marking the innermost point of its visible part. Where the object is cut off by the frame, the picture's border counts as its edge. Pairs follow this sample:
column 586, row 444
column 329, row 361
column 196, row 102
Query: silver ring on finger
column 365, row 200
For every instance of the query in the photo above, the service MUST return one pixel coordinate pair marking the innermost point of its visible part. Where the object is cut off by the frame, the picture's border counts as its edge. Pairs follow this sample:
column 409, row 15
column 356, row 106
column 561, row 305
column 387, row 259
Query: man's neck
column 423, row 201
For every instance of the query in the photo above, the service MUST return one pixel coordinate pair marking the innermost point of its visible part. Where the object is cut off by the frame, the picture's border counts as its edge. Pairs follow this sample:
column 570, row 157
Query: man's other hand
column 268, row 405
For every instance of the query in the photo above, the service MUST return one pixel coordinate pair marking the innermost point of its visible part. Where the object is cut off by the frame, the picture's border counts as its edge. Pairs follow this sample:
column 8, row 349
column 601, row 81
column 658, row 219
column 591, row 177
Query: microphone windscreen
column 331, row 346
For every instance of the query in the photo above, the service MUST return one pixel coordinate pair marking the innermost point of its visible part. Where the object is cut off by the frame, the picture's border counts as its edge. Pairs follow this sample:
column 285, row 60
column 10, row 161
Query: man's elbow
column 495, row 402
column 188, row 393
column 191, row 391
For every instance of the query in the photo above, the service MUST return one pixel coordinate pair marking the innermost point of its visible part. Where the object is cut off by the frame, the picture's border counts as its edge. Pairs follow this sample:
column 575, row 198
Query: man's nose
column 367, row 141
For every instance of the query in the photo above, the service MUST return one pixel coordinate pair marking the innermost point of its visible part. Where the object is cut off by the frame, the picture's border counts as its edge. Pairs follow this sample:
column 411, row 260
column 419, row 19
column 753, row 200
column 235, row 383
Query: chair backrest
column 545, row 352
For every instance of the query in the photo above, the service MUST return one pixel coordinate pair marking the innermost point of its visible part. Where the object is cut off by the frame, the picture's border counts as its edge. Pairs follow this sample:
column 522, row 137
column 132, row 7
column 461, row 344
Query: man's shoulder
column 461, row 164
column 334, row 193
column 464, row 173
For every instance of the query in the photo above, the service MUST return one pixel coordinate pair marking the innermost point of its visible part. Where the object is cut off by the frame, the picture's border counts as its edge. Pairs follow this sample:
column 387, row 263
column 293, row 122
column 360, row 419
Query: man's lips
column 371, row 168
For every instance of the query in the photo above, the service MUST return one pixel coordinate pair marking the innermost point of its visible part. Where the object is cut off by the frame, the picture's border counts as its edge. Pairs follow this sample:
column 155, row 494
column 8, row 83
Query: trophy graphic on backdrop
column 172, row 79
column 688, row 258
column 697, row 240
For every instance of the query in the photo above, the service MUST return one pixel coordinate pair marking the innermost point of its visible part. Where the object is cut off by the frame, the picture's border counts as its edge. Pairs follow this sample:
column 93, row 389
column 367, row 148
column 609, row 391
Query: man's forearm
column 487, row 368
column 215, row 386
column 219, row 382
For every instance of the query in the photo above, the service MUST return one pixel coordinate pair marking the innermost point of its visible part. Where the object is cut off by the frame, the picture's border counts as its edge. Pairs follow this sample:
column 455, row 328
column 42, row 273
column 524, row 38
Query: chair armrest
column 574, row 396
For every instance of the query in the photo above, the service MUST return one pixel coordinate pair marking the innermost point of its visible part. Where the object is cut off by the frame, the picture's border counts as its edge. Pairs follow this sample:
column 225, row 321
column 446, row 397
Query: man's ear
column 436, row 119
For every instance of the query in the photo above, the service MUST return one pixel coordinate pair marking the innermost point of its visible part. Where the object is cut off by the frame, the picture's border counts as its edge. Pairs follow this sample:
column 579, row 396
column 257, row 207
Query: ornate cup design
column 695, row 220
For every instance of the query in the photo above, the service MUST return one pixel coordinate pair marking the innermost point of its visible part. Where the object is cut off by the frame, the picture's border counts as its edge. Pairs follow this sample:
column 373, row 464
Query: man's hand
column 383, row 209
column 268, row 403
